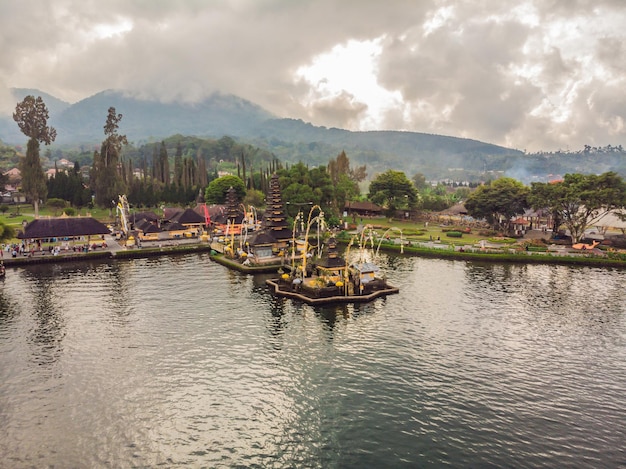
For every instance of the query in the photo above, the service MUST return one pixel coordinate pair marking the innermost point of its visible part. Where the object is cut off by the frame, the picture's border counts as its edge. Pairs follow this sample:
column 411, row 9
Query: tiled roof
column 188, row 217
column 150, row 216
column 62, row 227
column 261, row 237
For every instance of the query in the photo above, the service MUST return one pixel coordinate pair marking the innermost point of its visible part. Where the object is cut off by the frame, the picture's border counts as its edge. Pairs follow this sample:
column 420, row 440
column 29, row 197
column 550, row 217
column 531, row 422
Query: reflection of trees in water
column 50, row 284
column 553, row 297
column 331, row 316
column 397, row 263
column 120, row 278
column 8, row 311
column 47, row 336
column 491, row 276
column 276, row 321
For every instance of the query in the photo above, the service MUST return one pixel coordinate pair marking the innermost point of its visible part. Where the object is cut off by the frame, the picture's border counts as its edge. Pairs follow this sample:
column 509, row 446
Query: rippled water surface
column 179, row 362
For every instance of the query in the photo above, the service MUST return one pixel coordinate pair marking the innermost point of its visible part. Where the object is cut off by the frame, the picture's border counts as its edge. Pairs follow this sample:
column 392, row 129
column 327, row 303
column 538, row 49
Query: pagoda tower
column 332, row 260
column 232, row 205
column 275, row 219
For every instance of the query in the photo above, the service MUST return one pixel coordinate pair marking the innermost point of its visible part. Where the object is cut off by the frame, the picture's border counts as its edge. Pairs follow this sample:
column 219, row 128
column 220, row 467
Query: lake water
column 179, row 362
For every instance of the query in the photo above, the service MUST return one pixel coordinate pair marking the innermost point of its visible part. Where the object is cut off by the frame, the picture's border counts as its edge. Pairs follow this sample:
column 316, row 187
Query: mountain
column 10, row 132
column 411, row 152
column 55, row 106
column 83, row 122
column 293, row 140
column 144, row 120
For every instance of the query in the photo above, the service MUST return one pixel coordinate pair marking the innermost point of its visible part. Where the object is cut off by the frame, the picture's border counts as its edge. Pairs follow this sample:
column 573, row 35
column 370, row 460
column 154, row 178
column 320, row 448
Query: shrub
column 454, row 234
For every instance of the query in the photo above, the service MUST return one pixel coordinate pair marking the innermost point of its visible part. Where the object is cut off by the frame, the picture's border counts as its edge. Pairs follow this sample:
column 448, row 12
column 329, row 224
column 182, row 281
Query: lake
column 179, row 362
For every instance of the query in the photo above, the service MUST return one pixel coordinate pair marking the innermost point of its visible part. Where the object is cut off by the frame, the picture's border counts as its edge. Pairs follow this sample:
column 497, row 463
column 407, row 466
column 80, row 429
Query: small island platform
column 320, row 297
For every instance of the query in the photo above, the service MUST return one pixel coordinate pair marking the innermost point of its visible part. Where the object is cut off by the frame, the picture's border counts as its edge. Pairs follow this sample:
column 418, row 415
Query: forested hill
column 290, row 140
column 411, row 152
column 145, row 120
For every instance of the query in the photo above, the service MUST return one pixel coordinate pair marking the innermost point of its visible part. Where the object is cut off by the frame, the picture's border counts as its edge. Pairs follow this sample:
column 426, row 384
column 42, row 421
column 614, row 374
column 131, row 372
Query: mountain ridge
column 291, row 140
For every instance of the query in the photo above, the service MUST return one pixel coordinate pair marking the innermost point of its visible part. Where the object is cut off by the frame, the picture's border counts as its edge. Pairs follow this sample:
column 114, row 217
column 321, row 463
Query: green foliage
column 56, row 204
column 580, row 200
column 106, row 177
column 70, row 211
column 7, row 232
column 31, row 115
column 498, row 202
column 393, row 191
column 8, row 159
column 419, row 181
column 216, row 190
column 69, row 186
column 4, row 208
column 454, row 234
column 255, row 198
column 437, row 198
column 301, row 186
column 345, row 179
column 33, row 177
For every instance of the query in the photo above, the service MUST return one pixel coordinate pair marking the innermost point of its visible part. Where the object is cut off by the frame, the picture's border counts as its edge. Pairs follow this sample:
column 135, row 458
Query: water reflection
column 183, row 363
column 48, row 332
column 118, row 278
column 578, row 300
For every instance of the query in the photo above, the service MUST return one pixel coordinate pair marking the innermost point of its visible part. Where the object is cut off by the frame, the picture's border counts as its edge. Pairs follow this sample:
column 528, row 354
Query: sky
column 534, row 75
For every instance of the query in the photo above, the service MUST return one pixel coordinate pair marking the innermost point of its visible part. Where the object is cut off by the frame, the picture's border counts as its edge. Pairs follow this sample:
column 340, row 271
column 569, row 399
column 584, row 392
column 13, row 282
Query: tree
column 498, row 202
column 253, row 197
column 216, row 191
column 580, row 200
column 178, row 165
column 31, row 116
column 393, row 190
column 108, row 183
column 7, row 232
column 164, row 165
column 419, row 181
column 56, row 204
column 345, row 179
column 345, row 190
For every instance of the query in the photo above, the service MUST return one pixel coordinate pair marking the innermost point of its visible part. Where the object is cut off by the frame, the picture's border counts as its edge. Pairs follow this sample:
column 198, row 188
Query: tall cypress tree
column 164, row 165
column 109, row 184
column 31, row 116
column 178, row 165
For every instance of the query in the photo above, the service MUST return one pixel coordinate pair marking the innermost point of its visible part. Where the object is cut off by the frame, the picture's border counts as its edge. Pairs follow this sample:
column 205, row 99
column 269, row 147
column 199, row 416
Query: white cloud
column 534, row 74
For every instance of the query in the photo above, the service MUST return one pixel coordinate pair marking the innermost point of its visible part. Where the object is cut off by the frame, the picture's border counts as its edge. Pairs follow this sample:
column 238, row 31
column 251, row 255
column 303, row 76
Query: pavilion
column 62, row 228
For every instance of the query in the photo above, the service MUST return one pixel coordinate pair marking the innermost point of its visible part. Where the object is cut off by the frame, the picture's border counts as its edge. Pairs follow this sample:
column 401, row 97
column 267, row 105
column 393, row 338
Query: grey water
column 179, row 362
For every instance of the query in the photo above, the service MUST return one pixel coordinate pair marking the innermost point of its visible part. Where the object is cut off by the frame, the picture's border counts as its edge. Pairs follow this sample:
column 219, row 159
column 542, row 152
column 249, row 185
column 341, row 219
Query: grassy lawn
column 419, row 232
column 18, row 214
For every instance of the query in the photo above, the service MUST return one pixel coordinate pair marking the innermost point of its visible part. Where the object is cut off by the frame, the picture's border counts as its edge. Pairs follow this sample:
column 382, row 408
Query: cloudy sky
column 532, row 75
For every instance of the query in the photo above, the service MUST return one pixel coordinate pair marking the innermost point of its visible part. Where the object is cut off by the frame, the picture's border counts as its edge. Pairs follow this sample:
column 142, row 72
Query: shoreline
column 583, row 260
column 144, row 252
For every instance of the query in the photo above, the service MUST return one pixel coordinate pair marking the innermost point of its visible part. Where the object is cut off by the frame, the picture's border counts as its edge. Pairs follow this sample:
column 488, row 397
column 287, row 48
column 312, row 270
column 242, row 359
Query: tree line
column 577, row 201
